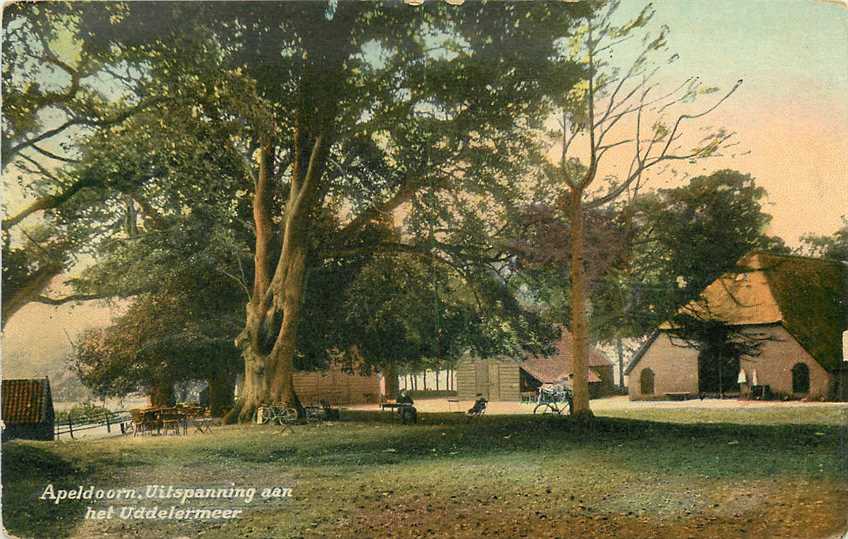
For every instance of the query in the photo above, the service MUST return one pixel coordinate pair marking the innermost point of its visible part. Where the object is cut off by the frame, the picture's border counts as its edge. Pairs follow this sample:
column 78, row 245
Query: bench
column 678, row 395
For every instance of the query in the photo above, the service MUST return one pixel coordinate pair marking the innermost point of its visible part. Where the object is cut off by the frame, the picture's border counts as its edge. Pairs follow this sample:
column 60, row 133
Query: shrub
column 83, row 410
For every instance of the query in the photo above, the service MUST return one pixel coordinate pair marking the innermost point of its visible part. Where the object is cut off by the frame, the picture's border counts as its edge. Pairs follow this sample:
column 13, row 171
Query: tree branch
column 68, row 299
column 89, row 122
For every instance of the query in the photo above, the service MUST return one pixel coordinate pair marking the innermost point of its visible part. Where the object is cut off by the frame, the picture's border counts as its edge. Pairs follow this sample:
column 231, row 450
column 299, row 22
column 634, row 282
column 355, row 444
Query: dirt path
column 755, row 511
column 619, row 403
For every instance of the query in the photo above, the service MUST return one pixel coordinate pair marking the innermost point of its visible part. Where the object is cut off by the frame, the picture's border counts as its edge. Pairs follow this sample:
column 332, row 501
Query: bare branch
column 89, row 122
column 52, row 155
column 73, row 298
column 48, row 202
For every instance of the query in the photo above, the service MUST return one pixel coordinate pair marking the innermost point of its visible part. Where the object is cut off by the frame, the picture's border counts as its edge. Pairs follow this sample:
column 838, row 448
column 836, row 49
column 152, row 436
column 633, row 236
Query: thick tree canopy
column 681, row 239
column 312, row 136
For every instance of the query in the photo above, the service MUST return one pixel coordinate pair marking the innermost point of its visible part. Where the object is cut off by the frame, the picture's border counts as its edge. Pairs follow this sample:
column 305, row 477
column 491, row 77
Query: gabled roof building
column 799, row 304
column 509, row 379
column 27, row 410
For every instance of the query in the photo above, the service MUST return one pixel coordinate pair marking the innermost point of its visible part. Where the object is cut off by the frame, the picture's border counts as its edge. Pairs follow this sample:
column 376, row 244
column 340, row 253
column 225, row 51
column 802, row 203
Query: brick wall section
column 676, row 369
column 774, row 365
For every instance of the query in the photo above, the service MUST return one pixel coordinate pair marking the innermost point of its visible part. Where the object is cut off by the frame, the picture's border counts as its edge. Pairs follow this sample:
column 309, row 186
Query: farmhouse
column 507, row 379
column 800, row 306
column 27, row 409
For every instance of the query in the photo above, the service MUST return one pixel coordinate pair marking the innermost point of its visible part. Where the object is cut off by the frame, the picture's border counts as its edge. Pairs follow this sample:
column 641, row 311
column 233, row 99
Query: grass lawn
column 646, row 473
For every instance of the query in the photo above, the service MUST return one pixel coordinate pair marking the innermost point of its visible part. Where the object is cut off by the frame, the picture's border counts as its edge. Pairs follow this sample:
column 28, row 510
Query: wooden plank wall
column 499, row 378
column 336, row 386
column 466, row 379
column 509, row 380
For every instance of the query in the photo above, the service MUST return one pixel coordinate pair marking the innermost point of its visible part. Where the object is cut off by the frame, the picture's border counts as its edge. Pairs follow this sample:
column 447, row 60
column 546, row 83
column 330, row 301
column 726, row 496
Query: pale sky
column 791, row 115
column 791, row 111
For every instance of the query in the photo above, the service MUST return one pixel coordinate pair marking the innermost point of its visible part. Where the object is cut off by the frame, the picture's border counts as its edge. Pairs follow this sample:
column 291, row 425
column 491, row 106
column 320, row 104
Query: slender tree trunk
column 579, row 323
column 437, row 379
column 620, row 349
column 425, row 379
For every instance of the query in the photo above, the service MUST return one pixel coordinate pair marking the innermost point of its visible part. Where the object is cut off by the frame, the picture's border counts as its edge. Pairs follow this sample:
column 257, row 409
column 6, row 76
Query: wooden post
column 620, row 350
column 70, row 427
column 108, row 424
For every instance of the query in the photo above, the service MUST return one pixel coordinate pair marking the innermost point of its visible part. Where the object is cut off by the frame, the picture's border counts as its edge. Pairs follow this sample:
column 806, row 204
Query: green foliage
column 161, row 340
column 834, row 247
column 681, row 240
column 80, row 412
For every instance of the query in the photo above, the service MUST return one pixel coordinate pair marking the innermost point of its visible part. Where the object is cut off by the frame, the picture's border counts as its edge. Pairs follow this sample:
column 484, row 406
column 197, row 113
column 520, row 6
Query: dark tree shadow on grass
column 27, row 470
column 715, row 450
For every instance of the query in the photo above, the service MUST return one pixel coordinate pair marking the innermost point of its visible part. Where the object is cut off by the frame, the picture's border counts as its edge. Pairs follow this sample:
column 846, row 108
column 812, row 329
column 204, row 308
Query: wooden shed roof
column 558, row 366
column 25, row 401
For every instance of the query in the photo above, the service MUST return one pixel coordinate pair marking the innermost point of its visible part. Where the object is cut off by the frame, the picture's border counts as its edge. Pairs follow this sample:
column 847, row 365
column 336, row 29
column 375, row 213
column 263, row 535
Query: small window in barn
column 646, row 381
column 800, row 378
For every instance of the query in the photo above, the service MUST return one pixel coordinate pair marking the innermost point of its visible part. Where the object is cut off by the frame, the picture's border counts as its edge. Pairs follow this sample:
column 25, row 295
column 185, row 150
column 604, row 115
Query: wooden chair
column 144, row 422
column 138, row 424
column 172, row 419
column 200, row 419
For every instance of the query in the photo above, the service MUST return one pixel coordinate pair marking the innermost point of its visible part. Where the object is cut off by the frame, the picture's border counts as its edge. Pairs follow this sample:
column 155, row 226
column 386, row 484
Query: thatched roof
column 807, row 296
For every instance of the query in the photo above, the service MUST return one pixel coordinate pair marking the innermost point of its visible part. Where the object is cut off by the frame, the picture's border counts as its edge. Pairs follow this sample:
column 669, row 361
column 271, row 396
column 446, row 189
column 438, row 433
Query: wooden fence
column 111, row 420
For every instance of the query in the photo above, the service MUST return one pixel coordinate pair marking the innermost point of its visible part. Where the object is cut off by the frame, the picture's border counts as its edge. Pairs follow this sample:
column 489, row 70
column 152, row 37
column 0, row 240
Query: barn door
column 482, row 373
column 494, row 382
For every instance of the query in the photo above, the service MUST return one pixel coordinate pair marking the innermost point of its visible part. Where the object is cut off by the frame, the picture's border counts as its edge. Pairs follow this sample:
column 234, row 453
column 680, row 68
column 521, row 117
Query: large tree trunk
column 254, row 339
column 579, row 323
column 288, row 288
column 392, row 383
column 269, row 340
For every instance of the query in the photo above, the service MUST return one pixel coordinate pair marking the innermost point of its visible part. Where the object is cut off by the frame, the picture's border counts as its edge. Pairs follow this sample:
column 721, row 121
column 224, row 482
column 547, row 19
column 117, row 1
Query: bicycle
column 553, row 400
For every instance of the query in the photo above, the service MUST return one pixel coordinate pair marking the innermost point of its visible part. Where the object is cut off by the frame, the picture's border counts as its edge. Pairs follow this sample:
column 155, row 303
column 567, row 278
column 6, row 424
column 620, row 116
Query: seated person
column 479, row 405
column 407, row 411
